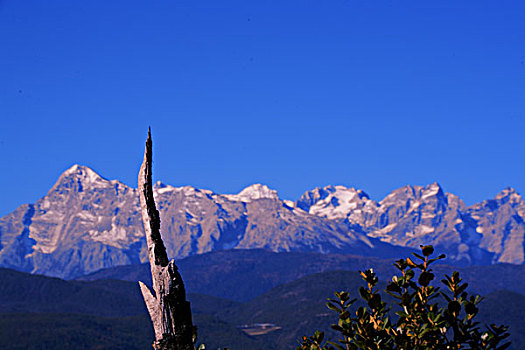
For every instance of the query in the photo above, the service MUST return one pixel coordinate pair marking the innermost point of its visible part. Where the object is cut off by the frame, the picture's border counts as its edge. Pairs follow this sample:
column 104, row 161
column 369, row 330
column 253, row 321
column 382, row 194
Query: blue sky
column 292, row 94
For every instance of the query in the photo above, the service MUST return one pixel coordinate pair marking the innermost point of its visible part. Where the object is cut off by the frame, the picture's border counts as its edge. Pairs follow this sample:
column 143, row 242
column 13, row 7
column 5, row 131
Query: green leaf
column 427, row 250
column 374, row 301
column 446, row 297
column 418, row 256
column 425, row 278
column 333, row 307
column 401, row 264
column 461, row 288
column 337, row 327
column 454, row 307
column 318, row 337
column 470, row 308
column 393, row 287
column 364, row 293
column 344, row 315
column 411, row 263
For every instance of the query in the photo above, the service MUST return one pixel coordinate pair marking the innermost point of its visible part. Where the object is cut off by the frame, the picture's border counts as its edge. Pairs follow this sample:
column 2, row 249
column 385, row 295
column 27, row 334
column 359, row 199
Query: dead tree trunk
column 169, row 311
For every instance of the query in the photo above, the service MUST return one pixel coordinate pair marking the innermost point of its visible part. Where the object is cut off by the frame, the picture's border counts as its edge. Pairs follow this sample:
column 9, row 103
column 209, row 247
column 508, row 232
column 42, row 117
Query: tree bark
column 168, row 308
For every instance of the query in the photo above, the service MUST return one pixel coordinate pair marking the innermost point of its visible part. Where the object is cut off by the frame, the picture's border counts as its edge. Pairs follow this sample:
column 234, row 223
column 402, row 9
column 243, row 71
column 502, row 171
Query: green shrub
column 415, row 320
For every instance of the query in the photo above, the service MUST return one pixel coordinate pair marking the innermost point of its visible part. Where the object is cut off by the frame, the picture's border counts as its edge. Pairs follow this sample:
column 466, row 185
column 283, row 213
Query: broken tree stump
column 168, row 308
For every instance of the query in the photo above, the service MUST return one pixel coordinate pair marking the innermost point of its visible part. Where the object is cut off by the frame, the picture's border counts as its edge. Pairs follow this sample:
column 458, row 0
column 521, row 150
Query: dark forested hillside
column 244, row 274
column 88, row 314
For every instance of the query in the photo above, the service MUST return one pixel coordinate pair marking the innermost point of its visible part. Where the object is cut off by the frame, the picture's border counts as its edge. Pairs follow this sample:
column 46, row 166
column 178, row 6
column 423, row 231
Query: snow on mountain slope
column 253, row 192
column 339, row 202
column 85, row 223
column 415, row 215
column 81, row 217
column 501, row 226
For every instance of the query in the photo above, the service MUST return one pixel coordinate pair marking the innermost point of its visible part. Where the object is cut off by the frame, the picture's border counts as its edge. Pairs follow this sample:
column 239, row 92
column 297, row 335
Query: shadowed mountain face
column 242, row 274
column 86, row 223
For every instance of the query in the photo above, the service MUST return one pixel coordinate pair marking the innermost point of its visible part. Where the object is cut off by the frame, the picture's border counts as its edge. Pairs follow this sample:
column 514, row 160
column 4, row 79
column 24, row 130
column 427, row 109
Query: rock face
column 490, row 232
column 500, row 226
column 339, row 203
column 414, row 215
column 85, row 223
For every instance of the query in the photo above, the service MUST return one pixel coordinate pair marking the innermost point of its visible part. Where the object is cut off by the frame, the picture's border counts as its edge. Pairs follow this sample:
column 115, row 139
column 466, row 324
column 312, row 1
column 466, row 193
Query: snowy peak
column 187, row 191
column 501, row 225
column 254, row 192
column 312, row 197
column 431, row 190
column 87, row 175
column 86, row 223
column 338, row 202
column 79, row 178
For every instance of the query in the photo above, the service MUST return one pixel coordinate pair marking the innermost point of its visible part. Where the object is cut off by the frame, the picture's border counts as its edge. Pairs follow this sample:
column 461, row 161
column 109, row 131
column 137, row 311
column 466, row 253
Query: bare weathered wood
column 168, row 308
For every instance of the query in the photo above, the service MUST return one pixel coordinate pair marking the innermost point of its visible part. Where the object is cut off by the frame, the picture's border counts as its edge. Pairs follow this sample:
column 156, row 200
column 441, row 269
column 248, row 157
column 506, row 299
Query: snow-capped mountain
column 490, row 232
column 339, row 202
column 85, row 223
column 500, row 226
column 415, row 215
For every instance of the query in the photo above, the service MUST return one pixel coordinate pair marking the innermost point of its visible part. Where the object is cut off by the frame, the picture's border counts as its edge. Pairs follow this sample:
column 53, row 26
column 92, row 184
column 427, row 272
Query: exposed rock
column 86, row 223
column 490, row 232
column 500, row 225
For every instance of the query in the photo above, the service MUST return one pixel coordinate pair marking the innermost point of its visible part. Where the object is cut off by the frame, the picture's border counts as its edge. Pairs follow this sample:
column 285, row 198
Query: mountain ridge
column 86, row 222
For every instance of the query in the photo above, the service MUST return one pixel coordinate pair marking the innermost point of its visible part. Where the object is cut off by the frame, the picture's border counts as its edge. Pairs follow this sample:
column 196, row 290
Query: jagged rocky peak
column 338, row 202
column 501, row 223
column 409, row 192
column 83, row 173
column 423, row 201
column 254, row 192
column 434, row 189
column 433, row 193
column 99, row 220
column 330, row 193
column 187, row 191
column 309, row 198
column 509, row 195
column 415, row 215
column 78, row 177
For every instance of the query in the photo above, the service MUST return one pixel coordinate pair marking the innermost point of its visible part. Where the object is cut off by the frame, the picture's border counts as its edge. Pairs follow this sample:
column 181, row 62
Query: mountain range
column 86, row 223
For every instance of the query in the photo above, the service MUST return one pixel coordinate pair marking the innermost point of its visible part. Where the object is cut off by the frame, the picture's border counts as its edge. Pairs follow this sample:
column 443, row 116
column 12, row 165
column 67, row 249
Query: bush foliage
column 415, row 320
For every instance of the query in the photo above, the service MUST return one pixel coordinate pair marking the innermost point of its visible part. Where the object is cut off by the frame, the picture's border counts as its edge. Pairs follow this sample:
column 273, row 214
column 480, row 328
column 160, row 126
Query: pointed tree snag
column 169, row 311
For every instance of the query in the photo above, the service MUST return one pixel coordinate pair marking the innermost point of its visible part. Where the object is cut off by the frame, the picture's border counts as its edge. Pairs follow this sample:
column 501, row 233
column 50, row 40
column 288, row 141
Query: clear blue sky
column 293, row 94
